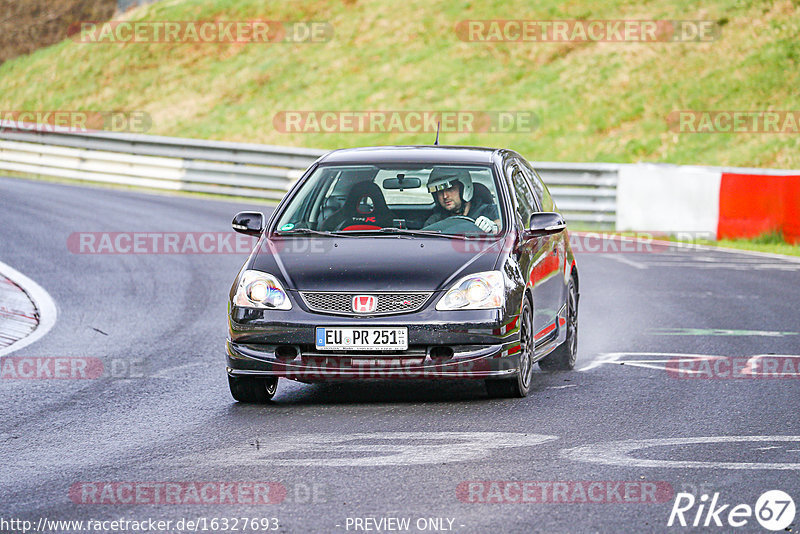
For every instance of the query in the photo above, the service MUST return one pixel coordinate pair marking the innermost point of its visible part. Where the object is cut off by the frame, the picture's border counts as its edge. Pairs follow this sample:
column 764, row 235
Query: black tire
column 564, row 356
column 253, row 389
column 519, row 385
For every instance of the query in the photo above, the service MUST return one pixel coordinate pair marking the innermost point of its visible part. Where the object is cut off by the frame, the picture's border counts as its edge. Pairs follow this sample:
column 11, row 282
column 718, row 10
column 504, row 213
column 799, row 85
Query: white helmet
column 444, row 177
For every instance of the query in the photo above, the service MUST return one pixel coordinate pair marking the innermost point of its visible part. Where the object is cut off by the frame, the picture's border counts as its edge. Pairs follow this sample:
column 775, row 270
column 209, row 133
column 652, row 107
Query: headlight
column 261, row 290
column 478, row 291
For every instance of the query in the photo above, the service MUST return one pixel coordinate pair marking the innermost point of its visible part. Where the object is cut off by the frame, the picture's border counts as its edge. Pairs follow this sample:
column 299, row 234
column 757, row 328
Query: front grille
column 342, row 303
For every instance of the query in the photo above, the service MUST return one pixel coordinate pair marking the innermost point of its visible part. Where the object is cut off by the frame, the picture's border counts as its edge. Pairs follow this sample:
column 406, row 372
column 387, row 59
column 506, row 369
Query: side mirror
column 545, row 223
column 249, row 222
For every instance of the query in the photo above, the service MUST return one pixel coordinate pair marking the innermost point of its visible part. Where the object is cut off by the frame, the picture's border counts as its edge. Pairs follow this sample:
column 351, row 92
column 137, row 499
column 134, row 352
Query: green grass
column 595, row 101
column 759, row 244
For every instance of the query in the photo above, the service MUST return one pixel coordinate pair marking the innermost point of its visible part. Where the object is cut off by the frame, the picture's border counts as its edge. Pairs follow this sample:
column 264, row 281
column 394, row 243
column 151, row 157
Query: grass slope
column 596, row 101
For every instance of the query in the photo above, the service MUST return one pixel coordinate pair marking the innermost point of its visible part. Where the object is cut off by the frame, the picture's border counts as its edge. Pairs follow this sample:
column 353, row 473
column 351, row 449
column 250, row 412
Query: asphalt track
column 343, row 451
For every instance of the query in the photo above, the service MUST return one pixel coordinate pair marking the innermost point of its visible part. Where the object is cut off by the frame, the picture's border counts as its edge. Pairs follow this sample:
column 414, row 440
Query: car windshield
column 389, row 199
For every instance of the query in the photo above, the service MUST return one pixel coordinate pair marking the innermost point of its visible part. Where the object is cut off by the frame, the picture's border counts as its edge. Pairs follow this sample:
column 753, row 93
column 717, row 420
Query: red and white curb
column 27, row 312
column 718, row 202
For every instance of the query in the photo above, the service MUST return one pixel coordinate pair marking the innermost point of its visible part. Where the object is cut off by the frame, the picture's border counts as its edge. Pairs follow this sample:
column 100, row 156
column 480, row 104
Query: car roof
column 411, row 154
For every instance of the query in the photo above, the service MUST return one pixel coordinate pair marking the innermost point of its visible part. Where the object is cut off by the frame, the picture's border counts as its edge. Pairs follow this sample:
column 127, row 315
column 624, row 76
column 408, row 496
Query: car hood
column 373, row 263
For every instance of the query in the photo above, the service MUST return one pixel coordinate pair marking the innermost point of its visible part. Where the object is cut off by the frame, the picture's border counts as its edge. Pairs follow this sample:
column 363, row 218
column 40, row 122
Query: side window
column 526, row 205
column 545, row 200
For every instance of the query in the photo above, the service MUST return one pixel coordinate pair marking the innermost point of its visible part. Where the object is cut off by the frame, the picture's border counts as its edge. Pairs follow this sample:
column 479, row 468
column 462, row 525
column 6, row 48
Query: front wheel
column 520, row 385
column 564, row 356
column 253, row 389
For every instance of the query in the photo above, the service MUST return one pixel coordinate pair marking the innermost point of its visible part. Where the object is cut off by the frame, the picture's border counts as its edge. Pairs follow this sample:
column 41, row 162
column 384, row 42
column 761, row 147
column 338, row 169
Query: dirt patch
column 32, row 24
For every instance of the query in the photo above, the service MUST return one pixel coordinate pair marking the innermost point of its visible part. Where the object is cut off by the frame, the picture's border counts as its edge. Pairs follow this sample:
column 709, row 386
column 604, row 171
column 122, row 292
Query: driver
column 453, row 193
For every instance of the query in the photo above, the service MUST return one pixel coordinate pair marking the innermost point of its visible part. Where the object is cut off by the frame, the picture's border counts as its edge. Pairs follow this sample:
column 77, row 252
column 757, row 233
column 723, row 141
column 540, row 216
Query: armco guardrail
column 241, row 169
column 585, row 192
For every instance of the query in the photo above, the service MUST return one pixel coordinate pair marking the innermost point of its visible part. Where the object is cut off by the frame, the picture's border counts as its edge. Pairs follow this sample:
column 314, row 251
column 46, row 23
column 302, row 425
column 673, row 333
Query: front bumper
column 485, row 344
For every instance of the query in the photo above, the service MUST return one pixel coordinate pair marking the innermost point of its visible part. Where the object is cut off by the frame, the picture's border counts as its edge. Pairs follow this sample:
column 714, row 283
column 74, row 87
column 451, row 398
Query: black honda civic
column 406, row 262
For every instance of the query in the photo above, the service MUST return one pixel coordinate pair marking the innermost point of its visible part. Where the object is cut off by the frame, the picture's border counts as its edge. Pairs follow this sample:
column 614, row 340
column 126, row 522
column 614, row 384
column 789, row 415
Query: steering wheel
column 455, row 224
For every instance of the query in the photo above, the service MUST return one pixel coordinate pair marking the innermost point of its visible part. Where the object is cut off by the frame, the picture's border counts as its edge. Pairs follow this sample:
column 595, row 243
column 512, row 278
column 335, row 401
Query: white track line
column 619, row 453
column 44, row 303
column 614, row 358
column 626, row 261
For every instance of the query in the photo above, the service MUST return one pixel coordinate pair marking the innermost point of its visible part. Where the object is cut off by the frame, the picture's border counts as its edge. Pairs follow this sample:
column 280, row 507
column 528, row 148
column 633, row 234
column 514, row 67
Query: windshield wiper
column 404, row 231
column 304, row 231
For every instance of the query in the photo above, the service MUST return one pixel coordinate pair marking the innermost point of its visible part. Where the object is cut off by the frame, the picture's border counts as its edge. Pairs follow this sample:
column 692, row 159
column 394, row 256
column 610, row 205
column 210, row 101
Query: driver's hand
column 486, row 224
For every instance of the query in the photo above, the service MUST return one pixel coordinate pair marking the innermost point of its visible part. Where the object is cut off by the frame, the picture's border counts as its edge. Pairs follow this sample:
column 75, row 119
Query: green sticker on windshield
column 287, row 226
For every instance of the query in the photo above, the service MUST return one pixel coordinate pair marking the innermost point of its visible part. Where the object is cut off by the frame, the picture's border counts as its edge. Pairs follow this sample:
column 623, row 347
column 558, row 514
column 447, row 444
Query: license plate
column 392, row 338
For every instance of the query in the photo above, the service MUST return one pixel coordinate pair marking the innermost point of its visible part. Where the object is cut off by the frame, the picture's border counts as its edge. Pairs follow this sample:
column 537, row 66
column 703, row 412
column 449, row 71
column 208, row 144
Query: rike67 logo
column 774, row 510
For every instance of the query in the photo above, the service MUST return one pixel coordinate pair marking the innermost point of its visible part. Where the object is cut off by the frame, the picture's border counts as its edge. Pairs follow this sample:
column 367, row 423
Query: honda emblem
column 364, row 303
